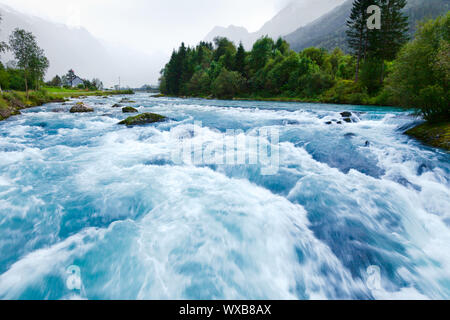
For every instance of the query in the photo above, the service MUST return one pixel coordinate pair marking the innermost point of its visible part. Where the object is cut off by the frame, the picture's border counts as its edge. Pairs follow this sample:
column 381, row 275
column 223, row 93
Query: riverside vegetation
column 23, row 78
column 384, row 69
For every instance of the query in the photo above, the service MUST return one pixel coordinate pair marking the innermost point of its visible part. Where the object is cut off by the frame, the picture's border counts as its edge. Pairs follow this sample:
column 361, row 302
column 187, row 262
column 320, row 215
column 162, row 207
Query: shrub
column 434, row 104
column 228, row 84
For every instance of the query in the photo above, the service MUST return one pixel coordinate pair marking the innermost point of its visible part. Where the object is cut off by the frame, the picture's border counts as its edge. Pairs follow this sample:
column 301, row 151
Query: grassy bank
column 76, row 93
column 12, row 102
column 436, row 135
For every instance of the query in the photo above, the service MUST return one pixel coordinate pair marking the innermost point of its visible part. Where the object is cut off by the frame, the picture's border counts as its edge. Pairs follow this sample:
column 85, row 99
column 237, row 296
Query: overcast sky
column 152, row 24
column 154, row 27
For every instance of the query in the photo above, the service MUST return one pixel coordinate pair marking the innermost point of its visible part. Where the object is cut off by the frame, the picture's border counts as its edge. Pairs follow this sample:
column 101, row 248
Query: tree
column 39, row 65
column 261, row 53
column 421, row 72
column 70, row 77
column 228, row 84
column 97, row 84
column 282, row 46
column 223, row 47
column 358, row 35
column 3, row 48
column 30, row 58
column 239, row 62
column 55, row 82
column 394, row 31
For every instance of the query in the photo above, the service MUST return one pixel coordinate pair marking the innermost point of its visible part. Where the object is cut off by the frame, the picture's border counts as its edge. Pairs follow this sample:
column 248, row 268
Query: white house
column 77, row 81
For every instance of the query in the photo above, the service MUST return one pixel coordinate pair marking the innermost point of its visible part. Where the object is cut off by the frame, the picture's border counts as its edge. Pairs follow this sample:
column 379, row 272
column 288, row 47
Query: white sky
column 152, row 25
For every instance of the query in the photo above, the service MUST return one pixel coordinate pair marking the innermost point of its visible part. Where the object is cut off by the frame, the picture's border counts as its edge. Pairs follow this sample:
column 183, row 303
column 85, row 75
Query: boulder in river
column 80, row 107
column 346, row 114
column 58, row 110
column 144, row 118
column 129, row 110
column 117, row 105
column 126, row 100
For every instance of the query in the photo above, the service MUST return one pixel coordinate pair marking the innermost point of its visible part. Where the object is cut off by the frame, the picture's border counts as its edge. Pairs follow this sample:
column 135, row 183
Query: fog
column 146, row 31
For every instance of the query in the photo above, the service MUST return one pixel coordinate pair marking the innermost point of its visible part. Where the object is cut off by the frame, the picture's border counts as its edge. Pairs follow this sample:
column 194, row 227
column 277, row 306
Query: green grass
column 75, row 93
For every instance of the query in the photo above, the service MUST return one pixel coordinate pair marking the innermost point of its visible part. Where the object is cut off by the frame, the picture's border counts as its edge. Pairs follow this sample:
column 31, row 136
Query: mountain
column 329, row 30
column 294, row 15
column 75, row 48
column 233, row 33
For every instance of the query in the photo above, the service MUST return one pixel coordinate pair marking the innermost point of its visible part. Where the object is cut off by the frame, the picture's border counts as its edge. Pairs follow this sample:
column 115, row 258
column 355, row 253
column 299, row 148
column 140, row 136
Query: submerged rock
column 350, row 135
column 129, row 110
column 346, row 114
column 58, row 110
column 126, row 100
column 348, row 120
column 117, row 105
column 144, row 118
column 80, row 107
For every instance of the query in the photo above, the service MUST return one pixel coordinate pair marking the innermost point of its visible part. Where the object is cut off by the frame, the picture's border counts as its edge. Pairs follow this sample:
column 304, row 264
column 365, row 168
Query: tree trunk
column 358, row 61
column 382, row 71
column 357, row 67
column 26, row 87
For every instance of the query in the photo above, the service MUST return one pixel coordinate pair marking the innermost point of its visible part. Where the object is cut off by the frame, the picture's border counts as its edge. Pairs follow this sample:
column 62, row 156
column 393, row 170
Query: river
column 93, row 210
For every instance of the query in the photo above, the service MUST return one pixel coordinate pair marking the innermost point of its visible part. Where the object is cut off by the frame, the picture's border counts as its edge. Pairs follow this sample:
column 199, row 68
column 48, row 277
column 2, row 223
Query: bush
column 228, row 84
column 346, row 91
column 434, row 104
column 315, row 84
column 199, row 84
column 420, row 74
column 370, row 75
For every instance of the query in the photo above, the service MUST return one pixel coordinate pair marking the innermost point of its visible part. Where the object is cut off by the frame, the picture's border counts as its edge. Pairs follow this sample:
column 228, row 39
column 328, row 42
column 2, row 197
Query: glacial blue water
column 81, row 190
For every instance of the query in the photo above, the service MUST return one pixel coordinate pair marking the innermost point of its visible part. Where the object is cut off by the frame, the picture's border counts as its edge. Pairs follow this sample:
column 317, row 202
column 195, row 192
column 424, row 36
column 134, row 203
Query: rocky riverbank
column 12, row 102
column 436, row 135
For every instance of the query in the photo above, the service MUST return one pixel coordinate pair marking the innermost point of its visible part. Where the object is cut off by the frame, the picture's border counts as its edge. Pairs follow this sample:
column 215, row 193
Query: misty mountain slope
column 75, row 48
column 329, row 30
column 65, row 47
column 294, row 15
column 234, row 33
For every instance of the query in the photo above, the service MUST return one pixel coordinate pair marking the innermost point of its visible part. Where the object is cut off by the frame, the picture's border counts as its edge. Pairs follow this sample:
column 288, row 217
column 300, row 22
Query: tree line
column 373, row 73
column 27, row 71
column 67, row 81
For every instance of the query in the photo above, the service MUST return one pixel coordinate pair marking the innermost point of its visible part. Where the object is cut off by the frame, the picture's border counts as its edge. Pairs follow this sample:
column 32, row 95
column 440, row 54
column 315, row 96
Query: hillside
column 329, row 30
column 296, row 14
column 78, row 49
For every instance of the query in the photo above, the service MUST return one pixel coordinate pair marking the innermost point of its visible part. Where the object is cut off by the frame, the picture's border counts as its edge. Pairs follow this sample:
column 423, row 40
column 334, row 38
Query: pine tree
column 358, row 34
column 3, row 48
column 239, row 64
column 171, row 75
column 394, row 30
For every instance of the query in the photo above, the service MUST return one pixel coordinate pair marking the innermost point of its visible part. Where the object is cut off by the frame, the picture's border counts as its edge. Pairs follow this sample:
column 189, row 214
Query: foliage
column 228, row 84
column 418, row 77
column 30, row 58
column 423, row 69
